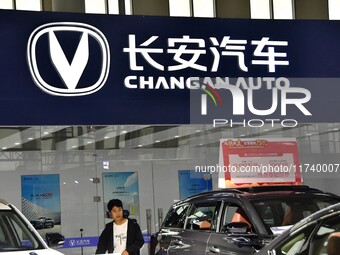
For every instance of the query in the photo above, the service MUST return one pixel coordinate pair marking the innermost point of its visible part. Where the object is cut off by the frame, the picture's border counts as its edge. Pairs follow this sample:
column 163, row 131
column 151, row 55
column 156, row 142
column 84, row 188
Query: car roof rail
column 299, row 188
column 255, row 189
column 231, row 190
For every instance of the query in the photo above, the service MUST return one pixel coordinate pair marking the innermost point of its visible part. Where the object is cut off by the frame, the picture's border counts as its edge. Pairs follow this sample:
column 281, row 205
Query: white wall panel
column 6, row 4
column 29, row 5
column 260, row 9
column 179, row 8
column 204, row 8
column 95, row 6
column 128, row 7
column 283, row 9
column 113, row 6
column 334, row 9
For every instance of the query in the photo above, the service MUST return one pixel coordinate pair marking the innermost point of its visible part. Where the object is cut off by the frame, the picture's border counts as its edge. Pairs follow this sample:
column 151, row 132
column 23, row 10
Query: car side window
column 176, row 217
column 235, row 213
column 327, row 238
column 201, row 217
column 296, row 244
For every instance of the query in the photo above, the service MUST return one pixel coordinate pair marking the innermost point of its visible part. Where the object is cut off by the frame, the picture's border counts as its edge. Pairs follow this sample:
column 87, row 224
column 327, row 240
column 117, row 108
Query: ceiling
column 27, row 138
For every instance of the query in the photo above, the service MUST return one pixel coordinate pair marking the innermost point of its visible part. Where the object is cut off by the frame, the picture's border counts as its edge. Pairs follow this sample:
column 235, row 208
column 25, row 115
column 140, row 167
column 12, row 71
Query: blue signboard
column 74, row 69
column 76, row 242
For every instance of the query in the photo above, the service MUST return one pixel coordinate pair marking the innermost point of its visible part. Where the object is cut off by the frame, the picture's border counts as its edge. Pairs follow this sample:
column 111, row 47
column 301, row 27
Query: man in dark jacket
column 122, row 235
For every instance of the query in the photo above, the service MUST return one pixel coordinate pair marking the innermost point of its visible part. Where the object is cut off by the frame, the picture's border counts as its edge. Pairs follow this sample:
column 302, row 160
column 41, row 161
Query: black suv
column 43, row 222
column 235, row 221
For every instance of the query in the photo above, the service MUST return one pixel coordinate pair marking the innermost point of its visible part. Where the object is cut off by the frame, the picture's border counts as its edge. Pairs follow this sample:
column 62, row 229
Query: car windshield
column 15, row 234
column 278, row 213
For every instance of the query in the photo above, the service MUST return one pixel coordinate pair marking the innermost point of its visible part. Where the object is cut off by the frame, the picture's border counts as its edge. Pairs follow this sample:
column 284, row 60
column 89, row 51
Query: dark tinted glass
column 286, row 211
column 176, row 217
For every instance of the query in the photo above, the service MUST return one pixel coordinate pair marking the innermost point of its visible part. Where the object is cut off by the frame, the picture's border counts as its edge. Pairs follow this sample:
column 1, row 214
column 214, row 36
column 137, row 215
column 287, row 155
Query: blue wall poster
column 40, row 197
column 192, row 182
column 123, row 186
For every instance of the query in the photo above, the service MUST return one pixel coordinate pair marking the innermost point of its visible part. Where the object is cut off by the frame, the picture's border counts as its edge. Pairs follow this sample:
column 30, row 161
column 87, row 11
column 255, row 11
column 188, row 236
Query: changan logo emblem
column 70, row 72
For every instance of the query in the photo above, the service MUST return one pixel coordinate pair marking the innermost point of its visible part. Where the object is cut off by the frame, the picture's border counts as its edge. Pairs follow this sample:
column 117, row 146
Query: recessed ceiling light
column 124, row 132
column 89, row 142
column 139, row 145
column 176, row 136
column 30, row 138
column 157, row 141
column 16, row 143
column 76, row 181
column 46, row 133
column 4, row 148
column 106, row 137
column 74, row 146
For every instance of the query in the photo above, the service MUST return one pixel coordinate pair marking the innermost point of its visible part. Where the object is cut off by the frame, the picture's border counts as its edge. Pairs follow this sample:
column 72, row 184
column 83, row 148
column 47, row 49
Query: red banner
column 245, row 162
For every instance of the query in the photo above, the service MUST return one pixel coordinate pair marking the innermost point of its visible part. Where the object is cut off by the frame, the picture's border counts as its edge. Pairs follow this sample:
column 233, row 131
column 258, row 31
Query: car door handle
column 214, row 249
column 241, row 239
column 178, row 242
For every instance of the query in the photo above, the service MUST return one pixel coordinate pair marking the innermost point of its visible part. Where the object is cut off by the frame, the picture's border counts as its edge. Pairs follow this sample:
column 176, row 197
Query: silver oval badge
column 70, row 73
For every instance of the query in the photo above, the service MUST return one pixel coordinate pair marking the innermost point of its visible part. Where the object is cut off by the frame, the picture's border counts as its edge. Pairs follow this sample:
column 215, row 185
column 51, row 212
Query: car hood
column 38, row 252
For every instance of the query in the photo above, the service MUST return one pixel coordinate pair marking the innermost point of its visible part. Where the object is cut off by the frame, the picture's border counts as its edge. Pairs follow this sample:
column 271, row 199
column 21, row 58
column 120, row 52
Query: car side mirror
column 236, row 228
column 55, row 240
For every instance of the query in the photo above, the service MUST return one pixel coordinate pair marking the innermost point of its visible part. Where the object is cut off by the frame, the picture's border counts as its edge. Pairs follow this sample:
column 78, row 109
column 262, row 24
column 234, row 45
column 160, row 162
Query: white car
column 18, row 236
